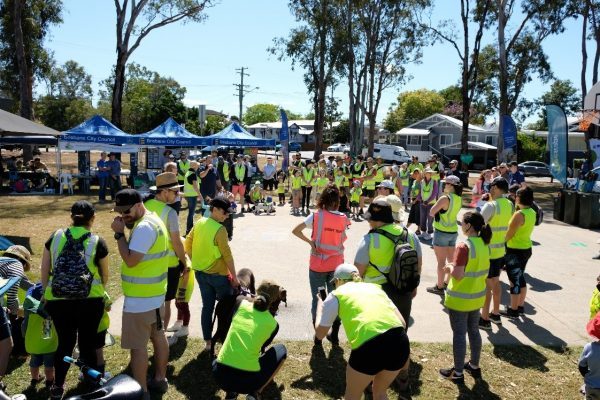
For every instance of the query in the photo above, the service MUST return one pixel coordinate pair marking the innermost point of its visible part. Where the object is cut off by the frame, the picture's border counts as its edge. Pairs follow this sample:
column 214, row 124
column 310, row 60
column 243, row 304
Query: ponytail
column 261, row 302
column 484, row 231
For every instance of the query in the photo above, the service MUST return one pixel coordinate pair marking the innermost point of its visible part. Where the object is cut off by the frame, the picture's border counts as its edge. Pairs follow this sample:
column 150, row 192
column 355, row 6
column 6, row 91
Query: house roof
column 471, row 146
column 277, row 124
column 443, row 120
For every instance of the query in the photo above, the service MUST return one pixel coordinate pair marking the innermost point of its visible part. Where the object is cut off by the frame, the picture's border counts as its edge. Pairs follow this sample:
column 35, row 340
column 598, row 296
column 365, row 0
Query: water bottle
column 47, row 329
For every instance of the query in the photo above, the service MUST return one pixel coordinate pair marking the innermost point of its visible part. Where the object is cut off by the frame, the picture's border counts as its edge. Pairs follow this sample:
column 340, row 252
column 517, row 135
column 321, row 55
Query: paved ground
column 561, row 276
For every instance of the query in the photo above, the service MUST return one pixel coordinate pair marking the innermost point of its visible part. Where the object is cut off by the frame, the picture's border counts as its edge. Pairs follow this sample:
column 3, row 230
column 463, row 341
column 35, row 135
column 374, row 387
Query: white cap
column 345, row 272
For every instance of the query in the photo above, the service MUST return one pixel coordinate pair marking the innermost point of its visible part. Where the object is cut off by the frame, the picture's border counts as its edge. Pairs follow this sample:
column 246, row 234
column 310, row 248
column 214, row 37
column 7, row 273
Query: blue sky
column 203, row 57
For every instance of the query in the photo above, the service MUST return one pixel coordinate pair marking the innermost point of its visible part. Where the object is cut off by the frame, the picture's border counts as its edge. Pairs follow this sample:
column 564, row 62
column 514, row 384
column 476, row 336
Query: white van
column 389, row 153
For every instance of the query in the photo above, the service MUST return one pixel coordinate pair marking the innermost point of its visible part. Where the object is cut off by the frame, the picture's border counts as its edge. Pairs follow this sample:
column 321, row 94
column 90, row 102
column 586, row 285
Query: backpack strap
column 396, row 239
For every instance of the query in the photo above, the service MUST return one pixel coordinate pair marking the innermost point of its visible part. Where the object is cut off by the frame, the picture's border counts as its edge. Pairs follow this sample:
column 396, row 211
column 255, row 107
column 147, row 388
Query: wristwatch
column 119, row 235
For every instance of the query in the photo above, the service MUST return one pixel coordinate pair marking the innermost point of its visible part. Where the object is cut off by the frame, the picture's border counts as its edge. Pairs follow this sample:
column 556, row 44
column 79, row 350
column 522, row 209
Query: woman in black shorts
column 243, row 365
column 375, row 330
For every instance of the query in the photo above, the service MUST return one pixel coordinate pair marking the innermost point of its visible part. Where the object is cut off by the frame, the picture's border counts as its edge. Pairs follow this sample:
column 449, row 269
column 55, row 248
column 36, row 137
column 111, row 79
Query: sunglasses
column 127, row 212
column 174, row 190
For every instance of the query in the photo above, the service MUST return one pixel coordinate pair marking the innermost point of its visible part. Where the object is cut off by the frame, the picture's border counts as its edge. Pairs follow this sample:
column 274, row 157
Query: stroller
column 265, row 205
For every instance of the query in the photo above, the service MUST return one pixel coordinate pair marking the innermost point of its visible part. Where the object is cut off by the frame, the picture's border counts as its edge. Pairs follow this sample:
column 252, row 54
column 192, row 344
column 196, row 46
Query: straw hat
column 166, row 180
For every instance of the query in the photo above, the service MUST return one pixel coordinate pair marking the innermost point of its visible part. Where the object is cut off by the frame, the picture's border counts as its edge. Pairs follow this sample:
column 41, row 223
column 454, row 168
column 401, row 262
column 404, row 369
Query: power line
column 242, row 89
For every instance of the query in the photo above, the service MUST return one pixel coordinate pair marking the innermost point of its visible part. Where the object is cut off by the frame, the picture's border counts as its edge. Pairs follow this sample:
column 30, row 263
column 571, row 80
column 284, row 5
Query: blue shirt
column 590, row 358
column 517, row 177
column 208, row 184
column 102, row 164
column 115, row 167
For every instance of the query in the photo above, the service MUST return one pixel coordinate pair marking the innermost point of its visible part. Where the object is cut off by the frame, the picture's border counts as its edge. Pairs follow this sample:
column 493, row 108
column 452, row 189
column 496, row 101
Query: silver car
column 534, row 168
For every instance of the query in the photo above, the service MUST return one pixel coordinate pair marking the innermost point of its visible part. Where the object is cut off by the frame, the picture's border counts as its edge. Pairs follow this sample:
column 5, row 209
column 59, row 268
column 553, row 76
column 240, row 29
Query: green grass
column 509, row 372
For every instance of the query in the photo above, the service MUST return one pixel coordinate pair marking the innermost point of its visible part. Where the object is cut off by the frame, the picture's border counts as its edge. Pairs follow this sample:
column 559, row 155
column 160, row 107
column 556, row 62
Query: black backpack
column 539, row 213
column 404, row 272
column 71, row 277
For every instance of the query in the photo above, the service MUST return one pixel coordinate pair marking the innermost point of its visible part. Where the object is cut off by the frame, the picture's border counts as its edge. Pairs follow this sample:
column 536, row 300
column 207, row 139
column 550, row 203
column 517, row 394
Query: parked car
column 534, row 168
column 293, row 146
column 338, row 147
column 390, row 153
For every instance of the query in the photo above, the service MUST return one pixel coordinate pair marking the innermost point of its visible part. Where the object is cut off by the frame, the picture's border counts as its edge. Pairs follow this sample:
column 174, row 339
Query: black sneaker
column 452, row 375
column 435, row 290
column 495, row 318
column 521, row 310
column 56, row 393
column 486, row 325
column 317, row 342
column 510, row 313
column 475, row 372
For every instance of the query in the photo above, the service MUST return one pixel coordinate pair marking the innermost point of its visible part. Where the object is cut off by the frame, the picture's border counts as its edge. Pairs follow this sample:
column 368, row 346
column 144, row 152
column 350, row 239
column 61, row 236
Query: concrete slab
column 561, row 276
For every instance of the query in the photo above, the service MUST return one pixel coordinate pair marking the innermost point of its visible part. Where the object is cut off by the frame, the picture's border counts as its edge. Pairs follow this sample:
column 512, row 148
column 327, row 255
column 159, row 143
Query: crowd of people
column 370, row 298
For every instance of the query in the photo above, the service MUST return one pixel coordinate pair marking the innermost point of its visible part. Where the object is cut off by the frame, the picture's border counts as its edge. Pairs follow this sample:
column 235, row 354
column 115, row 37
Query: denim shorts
column 37, row 360
column 444, row 239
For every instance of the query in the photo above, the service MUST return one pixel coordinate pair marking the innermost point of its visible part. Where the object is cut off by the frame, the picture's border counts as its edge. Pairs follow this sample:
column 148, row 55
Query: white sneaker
column 172, row 340
column 426, row 236
column 175, row 327
column 184, row 331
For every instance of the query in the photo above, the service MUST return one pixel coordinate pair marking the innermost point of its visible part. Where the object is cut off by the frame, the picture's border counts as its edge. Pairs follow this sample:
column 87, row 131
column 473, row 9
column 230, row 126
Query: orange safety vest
column 329, row 235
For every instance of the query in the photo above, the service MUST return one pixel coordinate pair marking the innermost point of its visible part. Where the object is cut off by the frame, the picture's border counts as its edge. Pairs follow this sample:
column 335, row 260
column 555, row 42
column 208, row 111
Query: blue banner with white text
column 557, row 141
column 509, row 134
column 284, row 138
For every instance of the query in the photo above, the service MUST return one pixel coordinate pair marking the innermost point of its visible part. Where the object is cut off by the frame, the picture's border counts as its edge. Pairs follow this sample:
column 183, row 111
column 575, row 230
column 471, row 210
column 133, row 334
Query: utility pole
column 242, row 89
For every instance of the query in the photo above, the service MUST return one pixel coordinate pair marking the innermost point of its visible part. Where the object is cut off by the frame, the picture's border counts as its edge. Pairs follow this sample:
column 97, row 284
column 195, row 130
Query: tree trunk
column 503, row 78
column 584, row 56
column 354, row 142
column 596, row 59
column 466, row 104
column 118, row 88
column 26, row 110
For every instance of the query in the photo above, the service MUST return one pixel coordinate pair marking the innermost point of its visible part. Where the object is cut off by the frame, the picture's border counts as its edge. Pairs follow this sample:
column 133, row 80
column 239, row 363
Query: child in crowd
column 41, row 340
column 255, row 196
column 595, row 300
column 340, row 180
column 355, row 194
column 589, row 362
column 321, row 182
column 182, row 302
column 281, row 190
column 414, row 215
column 296, row 191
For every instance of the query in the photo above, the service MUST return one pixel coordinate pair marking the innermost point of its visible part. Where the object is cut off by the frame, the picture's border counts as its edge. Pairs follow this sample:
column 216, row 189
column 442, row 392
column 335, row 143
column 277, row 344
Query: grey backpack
column 404, row 272
column 71, row 277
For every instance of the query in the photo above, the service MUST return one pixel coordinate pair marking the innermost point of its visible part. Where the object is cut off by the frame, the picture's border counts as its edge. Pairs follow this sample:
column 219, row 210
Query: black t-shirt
column 101, row 248
column 192, row 178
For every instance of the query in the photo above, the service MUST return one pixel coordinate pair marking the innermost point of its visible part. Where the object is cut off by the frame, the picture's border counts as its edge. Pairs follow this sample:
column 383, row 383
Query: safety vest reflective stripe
column 163, row 210
column 142, row 280
column 226, row 172
column 522, row 237
column 379, row 175
column 328, row 234
column 307, row 174
column 503, row 210
column 204, row 250
column 149, row 277
column 468, row 294
column 381, row 254
column 338, row 249
column 427, row 191
column 404, row 177
column 58, row 242
column 184, row 166
column 448, row 219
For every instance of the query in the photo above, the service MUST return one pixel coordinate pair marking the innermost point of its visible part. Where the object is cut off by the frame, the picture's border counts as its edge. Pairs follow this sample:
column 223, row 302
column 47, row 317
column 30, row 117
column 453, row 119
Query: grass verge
column 509, row 372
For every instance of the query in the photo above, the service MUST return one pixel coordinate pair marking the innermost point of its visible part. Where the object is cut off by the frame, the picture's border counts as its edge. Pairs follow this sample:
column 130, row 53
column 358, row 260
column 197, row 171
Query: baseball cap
column 20, row 252
column 82, row 209
column 386, row 184
column 125, row 199
column 222, row 204
column 345, row 272
column 379, row 210
column 453, row 162
column 452, row 180
column 396, row 203
column 593, row 326
column 500, row 183
column 514, row 164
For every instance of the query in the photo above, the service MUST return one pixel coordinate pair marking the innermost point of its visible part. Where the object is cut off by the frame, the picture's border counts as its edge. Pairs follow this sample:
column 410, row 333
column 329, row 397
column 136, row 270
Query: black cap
column 500, row 183
column 125, row 199
column 380, row 210
column 82, row 209
column 513, row 164
column 222, row 204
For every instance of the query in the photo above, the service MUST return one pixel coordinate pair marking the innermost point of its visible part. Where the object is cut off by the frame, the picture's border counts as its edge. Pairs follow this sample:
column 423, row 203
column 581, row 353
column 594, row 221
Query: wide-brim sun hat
column 20, row 252
column 166, row 180
column 379, row 210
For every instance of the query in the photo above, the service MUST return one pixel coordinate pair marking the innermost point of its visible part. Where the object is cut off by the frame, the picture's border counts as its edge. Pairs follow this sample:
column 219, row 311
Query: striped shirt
column 9, row 268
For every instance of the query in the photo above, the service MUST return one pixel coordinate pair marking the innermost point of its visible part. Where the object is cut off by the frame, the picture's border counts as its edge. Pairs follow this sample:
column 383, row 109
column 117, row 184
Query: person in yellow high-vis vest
column 244, row 365
column 465, row 295
column 191, row 192
column 207, row 245
column 445, row 214
column 375, row 330
column 518, row 250
column 165, row 191
column 427, row 198
column 75, row 315
column 497, row 213
column 144, row 273
column 380, row 170
column 183, row 165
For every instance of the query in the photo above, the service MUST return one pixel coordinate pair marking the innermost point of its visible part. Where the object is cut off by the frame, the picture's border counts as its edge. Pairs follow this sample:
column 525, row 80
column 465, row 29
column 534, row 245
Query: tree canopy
column 561, row 93
column 412, row 107
column 261, row 112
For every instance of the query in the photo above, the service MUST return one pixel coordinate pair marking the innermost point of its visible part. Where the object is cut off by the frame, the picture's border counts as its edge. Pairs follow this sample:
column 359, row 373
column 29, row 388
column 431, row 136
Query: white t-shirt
column 142, row 238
